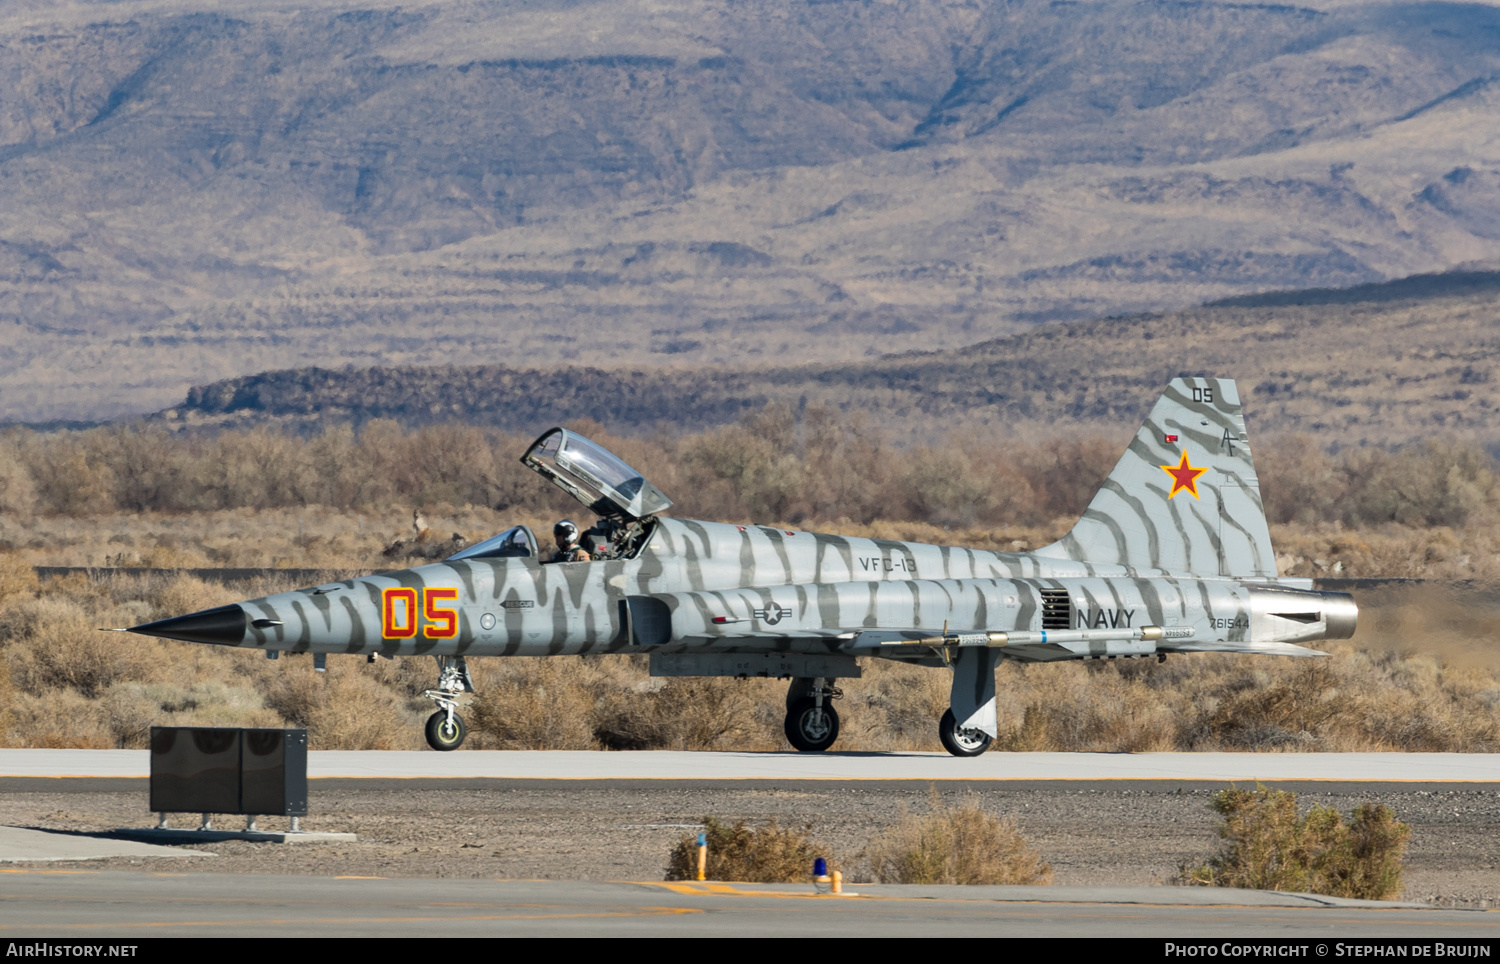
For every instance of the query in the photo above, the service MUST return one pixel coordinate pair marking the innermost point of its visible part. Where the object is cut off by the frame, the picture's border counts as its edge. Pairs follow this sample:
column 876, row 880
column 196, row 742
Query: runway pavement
column 124, row 906
column 665, row 765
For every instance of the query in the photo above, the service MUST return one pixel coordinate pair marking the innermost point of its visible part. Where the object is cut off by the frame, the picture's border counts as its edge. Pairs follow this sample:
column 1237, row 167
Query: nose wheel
column 961, row 742
column 445, row 730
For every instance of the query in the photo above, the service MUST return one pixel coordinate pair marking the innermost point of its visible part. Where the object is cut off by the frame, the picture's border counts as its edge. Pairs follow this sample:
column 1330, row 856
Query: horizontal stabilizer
column 1244, row 646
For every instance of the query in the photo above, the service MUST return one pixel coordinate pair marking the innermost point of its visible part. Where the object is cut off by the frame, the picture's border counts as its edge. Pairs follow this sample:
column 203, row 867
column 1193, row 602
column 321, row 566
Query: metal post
column 161, row 822
column 250, row 824
column 296, row 825
column 702, row 854
column 208, row 823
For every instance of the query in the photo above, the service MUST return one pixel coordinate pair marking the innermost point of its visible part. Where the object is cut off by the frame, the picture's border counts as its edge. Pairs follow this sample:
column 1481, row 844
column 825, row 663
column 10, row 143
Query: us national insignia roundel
column 1184, row 477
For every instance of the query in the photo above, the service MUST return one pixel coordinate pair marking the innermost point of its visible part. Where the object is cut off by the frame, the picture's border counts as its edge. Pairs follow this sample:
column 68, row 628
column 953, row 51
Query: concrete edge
column 184, row 836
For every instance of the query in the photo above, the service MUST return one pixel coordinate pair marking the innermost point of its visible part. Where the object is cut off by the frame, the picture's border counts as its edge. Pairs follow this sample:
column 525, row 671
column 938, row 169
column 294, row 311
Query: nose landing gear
column 445, row 728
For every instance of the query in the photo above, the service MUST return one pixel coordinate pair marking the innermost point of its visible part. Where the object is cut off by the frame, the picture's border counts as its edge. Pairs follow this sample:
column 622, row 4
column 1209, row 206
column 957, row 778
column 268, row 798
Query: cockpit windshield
column 594, row 476
column 514, row 543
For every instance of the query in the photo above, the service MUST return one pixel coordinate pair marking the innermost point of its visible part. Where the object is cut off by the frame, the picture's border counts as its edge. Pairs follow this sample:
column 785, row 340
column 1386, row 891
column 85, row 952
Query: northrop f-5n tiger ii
column 1172, row 556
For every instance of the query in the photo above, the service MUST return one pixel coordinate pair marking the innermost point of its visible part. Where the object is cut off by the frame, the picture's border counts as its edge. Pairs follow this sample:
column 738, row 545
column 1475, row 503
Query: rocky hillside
column 194, row 191
column 1380, row 364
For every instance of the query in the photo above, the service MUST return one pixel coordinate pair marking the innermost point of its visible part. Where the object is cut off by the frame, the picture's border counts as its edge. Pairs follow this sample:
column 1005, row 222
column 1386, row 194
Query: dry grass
column 1268, row 846
column 1354, row 701
column 609, row 702
column 962, row 844
column 144, row 496
column 770, row 854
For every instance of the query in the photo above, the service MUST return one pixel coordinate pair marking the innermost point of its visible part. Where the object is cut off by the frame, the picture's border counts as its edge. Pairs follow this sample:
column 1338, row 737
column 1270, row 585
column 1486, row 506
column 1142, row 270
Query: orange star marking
column 1184, row 477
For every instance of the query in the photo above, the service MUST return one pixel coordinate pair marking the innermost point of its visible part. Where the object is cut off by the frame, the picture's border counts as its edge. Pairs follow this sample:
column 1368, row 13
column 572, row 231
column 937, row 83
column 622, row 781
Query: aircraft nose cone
column 224, row 625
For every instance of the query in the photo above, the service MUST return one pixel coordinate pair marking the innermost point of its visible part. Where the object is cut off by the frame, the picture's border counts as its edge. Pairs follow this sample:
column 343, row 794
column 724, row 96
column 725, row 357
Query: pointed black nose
column 224, row 625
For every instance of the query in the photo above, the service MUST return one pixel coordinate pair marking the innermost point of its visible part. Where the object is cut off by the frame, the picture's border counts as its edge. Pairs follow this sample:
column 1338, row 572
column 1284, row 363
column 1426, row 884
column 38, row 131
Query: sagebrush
column 1269, row 846
column 963, row 844
column 774, row 465
column 769, row 854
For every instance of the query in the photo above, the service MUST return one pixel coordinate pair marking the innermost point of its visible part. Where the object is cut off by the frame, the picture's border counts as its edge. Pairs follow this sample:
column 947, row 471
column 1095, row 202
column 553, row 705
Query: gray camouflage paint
column 1197, row 561
column 1135, row 520
column 809, row 590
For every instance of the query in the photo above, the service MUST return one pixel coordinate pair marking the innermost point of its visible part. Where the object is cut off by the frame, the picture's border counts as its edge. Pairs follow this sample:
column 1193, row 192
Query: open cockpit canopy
column 514, row 543
column 594, row 476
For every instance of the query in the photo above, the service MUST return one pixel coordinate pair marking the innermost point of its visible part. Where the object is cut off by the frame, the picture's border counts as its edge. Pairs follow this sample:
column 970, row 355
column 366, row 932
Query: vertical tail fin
column 1184, row 497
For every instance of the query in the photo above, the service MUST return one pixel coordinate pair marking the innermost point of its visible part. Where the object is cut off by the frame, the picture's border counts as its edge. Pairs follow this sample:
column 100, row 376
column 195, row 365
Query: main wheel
column 961, row 742
column 810, row 729
column 443, row 735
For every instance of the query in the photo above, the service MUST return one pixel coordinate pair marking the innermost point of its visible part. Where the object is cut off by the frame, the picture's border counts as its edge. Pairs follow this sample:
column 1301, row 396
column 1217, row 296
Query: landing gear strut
column 811, row 723
column 960, row 742
column 445, row 728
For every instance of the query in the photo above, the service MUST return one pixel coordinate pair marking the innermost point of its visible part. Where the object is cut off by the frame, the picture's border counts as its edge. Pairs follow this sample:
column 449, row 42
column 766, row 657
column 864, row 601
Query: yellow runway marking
column 583, row 915
column 713, row 889
column 30, row 870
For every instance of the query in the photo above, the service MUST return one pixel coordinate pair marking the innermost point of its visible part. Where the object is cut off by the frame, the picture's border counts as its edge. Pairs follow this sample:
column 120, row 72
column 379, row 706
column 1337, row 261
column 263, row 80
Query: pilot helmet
column 565, row 532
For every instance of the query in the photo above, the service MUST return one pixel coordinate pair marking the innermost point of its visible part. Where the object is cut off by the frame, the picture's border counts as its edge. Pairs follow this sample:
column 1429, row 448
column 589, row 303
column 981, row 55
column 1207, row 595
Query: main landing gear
column 960, row 742
column 445, row 728
column 811, row 722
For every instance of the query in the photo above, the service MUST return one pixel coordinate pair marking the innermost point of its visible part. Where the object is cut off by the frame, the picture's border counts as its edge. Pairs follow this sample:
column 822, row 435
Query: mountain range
column 192, row 192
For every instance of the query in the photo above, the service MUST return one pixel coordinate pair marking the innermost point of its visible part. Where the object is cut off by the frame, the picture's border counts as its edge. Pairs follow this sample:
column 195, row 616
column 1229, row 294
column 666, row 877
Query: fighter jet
column 1173, row 556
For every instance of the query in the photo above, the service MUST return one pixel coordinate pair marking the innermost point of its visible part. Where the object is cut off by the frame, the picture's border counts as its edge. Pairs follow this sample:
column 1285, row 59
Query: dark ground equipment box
column 196, row 769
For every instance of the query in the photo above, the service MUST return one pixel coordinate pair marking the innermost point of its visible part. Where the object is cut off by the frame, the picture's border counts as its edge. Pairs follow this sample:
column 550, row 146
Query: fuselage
column 732, row 588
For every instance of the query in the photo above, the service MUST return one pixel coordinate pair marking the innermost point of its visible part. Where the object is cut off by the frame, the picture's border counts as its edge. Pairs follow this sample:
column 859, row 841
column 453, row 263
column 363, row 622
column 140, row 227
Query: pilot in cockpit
column 568, row 549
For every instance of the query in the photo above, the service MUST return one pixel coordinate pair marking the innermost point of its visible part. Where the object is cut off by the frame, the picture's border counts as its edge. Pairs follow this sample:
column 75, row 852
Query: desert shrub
column 52, row 642
column 341, row 708
column 1088, row 706
column 8, row 736
column 610, row 702
column 131, row 709
column 60, row 719
column 17, row 577
column 1434, row 483
column 1065, row 473
column 962, row 844
column 69, row 483
column 773, row 465
column 1300, row 701
column 1268, row 846
column 893, row 707
column 680, row 714
column 1299, row 481
column 768, row 855
column 535, row 704
column 17, row 488
column 757, row 459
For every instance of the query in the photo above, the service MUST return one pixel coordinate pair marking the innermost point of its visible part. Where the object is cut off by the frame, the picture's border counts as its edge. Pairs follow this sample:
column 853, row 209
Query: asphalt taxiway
column 503, row 799
column 125, row 905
